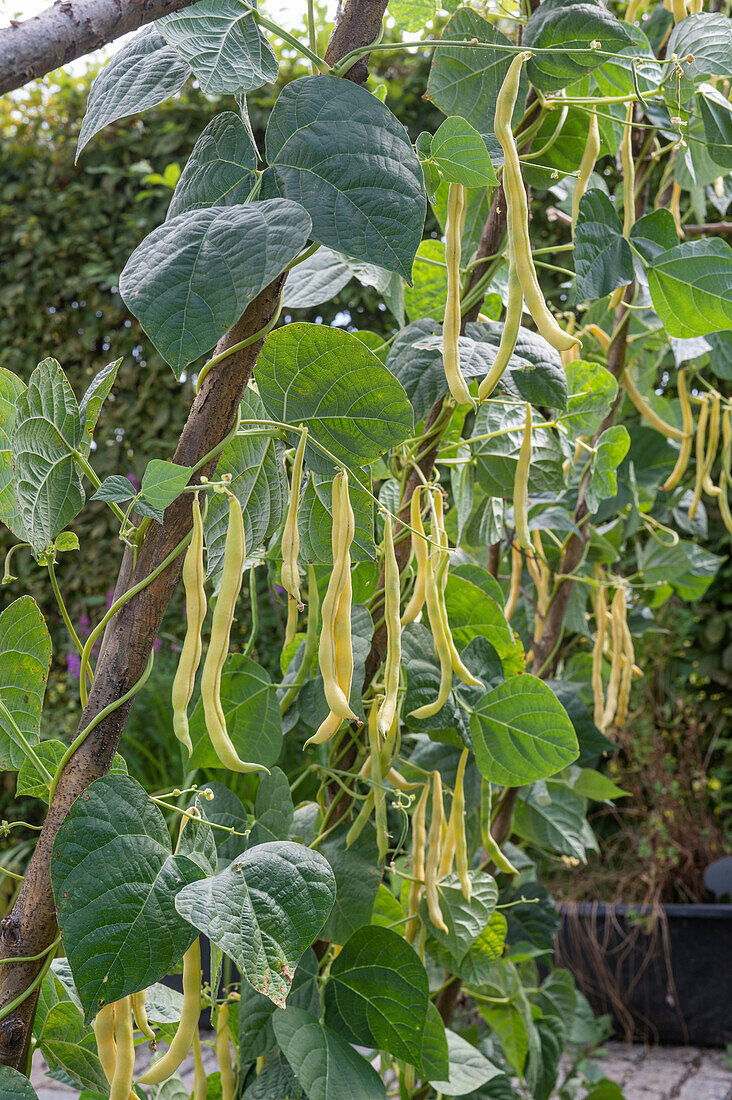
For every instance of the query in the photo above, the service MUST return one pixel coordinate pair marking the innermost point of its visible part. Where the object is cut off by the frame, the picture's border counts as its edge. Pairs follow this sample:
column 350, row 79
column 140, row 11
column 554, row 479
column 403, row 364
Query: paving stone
column 700, row 1087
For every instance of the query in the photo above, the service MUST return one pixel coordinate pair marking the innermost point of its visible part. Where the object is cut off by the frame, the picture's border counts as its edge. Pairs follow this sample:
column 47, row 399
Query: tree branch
column 68, row 30
column 31, row 927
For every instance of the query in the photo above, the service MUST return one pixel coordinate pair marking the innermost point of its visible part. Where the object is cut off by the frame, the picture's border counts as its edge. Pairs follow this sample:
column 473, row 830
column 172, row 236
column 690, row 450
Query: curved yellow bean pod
column 521, row 487
column 290, row 571
column 514, row 590
column 682, row 461
column 419, row 842
column 140, row 1014
column 456, row 200
column 104, row 1035
column 421, row 552
column 120, row 1086
column 701, row 455
column 194, row 575
column 335, row 655
column 200, row 1081
column 392, row 597
column 434, row 854
column 617, row 617
column 587, row 164
column 597, row 657
column 457, row 812
column 182, row 1041
column 646, row 411
column 626, row 157
column 518, row 213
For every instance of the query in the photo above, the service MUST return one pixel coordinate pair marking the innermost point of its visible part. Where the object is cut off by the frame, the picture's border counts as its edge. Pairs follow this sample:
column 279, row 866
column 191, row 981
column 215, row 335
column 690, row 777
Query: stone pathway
column 661, row 1073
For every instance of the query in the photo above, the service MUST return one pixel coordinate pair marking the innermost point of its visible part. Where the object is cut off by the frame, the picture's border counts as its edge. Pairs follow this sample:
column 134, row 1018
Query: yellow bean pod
column 194, row 575
column 104, row 1035
column 140, row 1014
column 682, row 462
column 290, row 571
column 421, row 552
column 441, row 644
column 597, row 656
column 223, row 1053
column 509, row 335
column 725, row 480
column 701, row 455
column 456, row 201
column 419, row 843
column 493, row 852
column 182, row 1041
column 392, row 598
column 617, row 618
column 457, row 813
column 521, row 487
column 712, row 444
column 434, row 854
column 335, row 653
column 587, row 164
column 200, row 1081
column 514, row 590
column 218, row 646
column 518, row 213
column 120, row 1086
column 626, row 158
column 646, row 411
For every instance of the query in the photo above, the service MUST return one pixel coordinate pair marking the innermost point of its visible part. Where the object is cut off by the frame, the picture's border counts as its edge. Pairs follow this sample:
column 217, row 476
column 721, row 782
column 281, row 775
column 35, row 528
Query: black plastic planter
column 663, row 973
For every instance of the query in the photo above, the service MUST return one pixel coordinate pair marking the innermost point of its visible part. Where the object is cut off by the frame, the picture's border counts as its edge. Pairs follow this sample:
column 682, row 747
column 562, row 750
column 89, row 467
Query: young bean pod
column 421, row 551
column 597, row 656
column 223, row 1053
column 725, row 479
column 419, row 843
column 457, row 813
column 200, row 1081
column 587, row 164
column 377, row 789
column 617, row 619
column 456, row 201
column 682, row 461
column 626, row 157
column 140, row 1015
column 712, row 444
column 335, row 654
column 218, row 646
column 701, row 455
column 104, row 1035
column 290, row 571
column 120, row 1087
column 392, row 597
column 518, row 213
column 181, row 1042
column 509, row 335
column 646, row 411
column 194, row 575
column 493, row 852
column 517, row 564
column 435, row 841
column 521, row 488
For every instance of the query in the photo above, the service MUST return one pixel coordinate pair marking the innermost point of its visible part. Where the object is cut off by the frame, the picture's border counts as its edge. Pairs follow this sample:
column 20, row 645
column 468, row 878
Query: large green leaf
column 551, row 816
column 716, row 112
column 15, row 1086
column 688, row 568
column 263, row 911
column 275, row 1081
column 480, row 956
column 707, row 38
column 357, row 881
column 329, row 380
column 535, row 372
column 11, row 389
column 316, row 522
column 340, row 152
column 47, row 431
column 423, row 674
column 91, row 403
column 145, row 72
column 324, row 1063
column 252, row 716
column 256, row 1012
column 474, row 613
column 568, row 29
column 25, row 659
column 521, row 733
column 461, row 155
column 377, row 994
column 194, row 276
column 67, row 1044
column 114, row 880
column 222, row 42
column 428, row 294
column 691, row 287
column 259, row 483
column 465, row 81
column 465, row 920
column 469, row 1069
column 602, row 256
column 592, row 391
column 220, row 170
column 411, row 15
column 273, row 809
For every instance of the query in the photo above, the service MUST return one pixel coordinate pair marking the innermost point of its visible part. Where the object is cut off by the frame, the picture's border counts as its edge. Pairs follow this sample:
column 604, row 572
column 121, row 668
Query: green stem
column 7, row 576
column 123, row 599
column 216, row 359
column 255, row 611
column 109, row 709
column 312, row 37
column 310, row 251
column 12, row 1005
column 290, row 39
column 62, row 606
column 31, row 958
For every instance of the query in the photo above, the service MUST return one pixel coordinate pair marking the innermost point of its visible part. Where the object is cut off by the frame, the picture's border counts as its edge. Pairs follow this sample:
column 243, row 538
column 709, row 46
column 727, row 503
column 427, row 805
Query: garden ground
column 661, row 1073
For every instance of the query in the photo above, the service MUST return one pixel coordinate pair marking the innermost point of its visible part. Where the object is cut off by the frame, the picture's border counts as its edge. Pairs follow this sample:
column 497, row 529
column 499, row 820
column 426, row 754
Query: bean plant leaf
column 469, row 1069
column 316, row 522
column 535, row 372
column 47, row 431
column 92, row 401
column 194, row 276
column 593, row 389
column 222, row 42
column 716, row 112
column 342, row 154
column 25, row 659
column 427, row 296
column 378, row 992
column 263, row 911
column 568, row 31
column 163, row 482
column 465, row 920
column 318, row 279
column 465, row 81
column 114, row 881
column 326, row 1066
column 328, row 380
column 252, row 716
column 654, row 233
column 68, row 1045
column 691, row 288
column 474, row 613
column 115, row 488
column 411, row 15
column 498, row 456
column 11, row 389
column 357, row 880
column 602, row 256
column 219, row 171
column 144, row 73
column 33, row 782
column 521, row 733
column 610, row 450
column 15, row 1086
column 705, row 36
column 552, row 817
column 461, row 154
